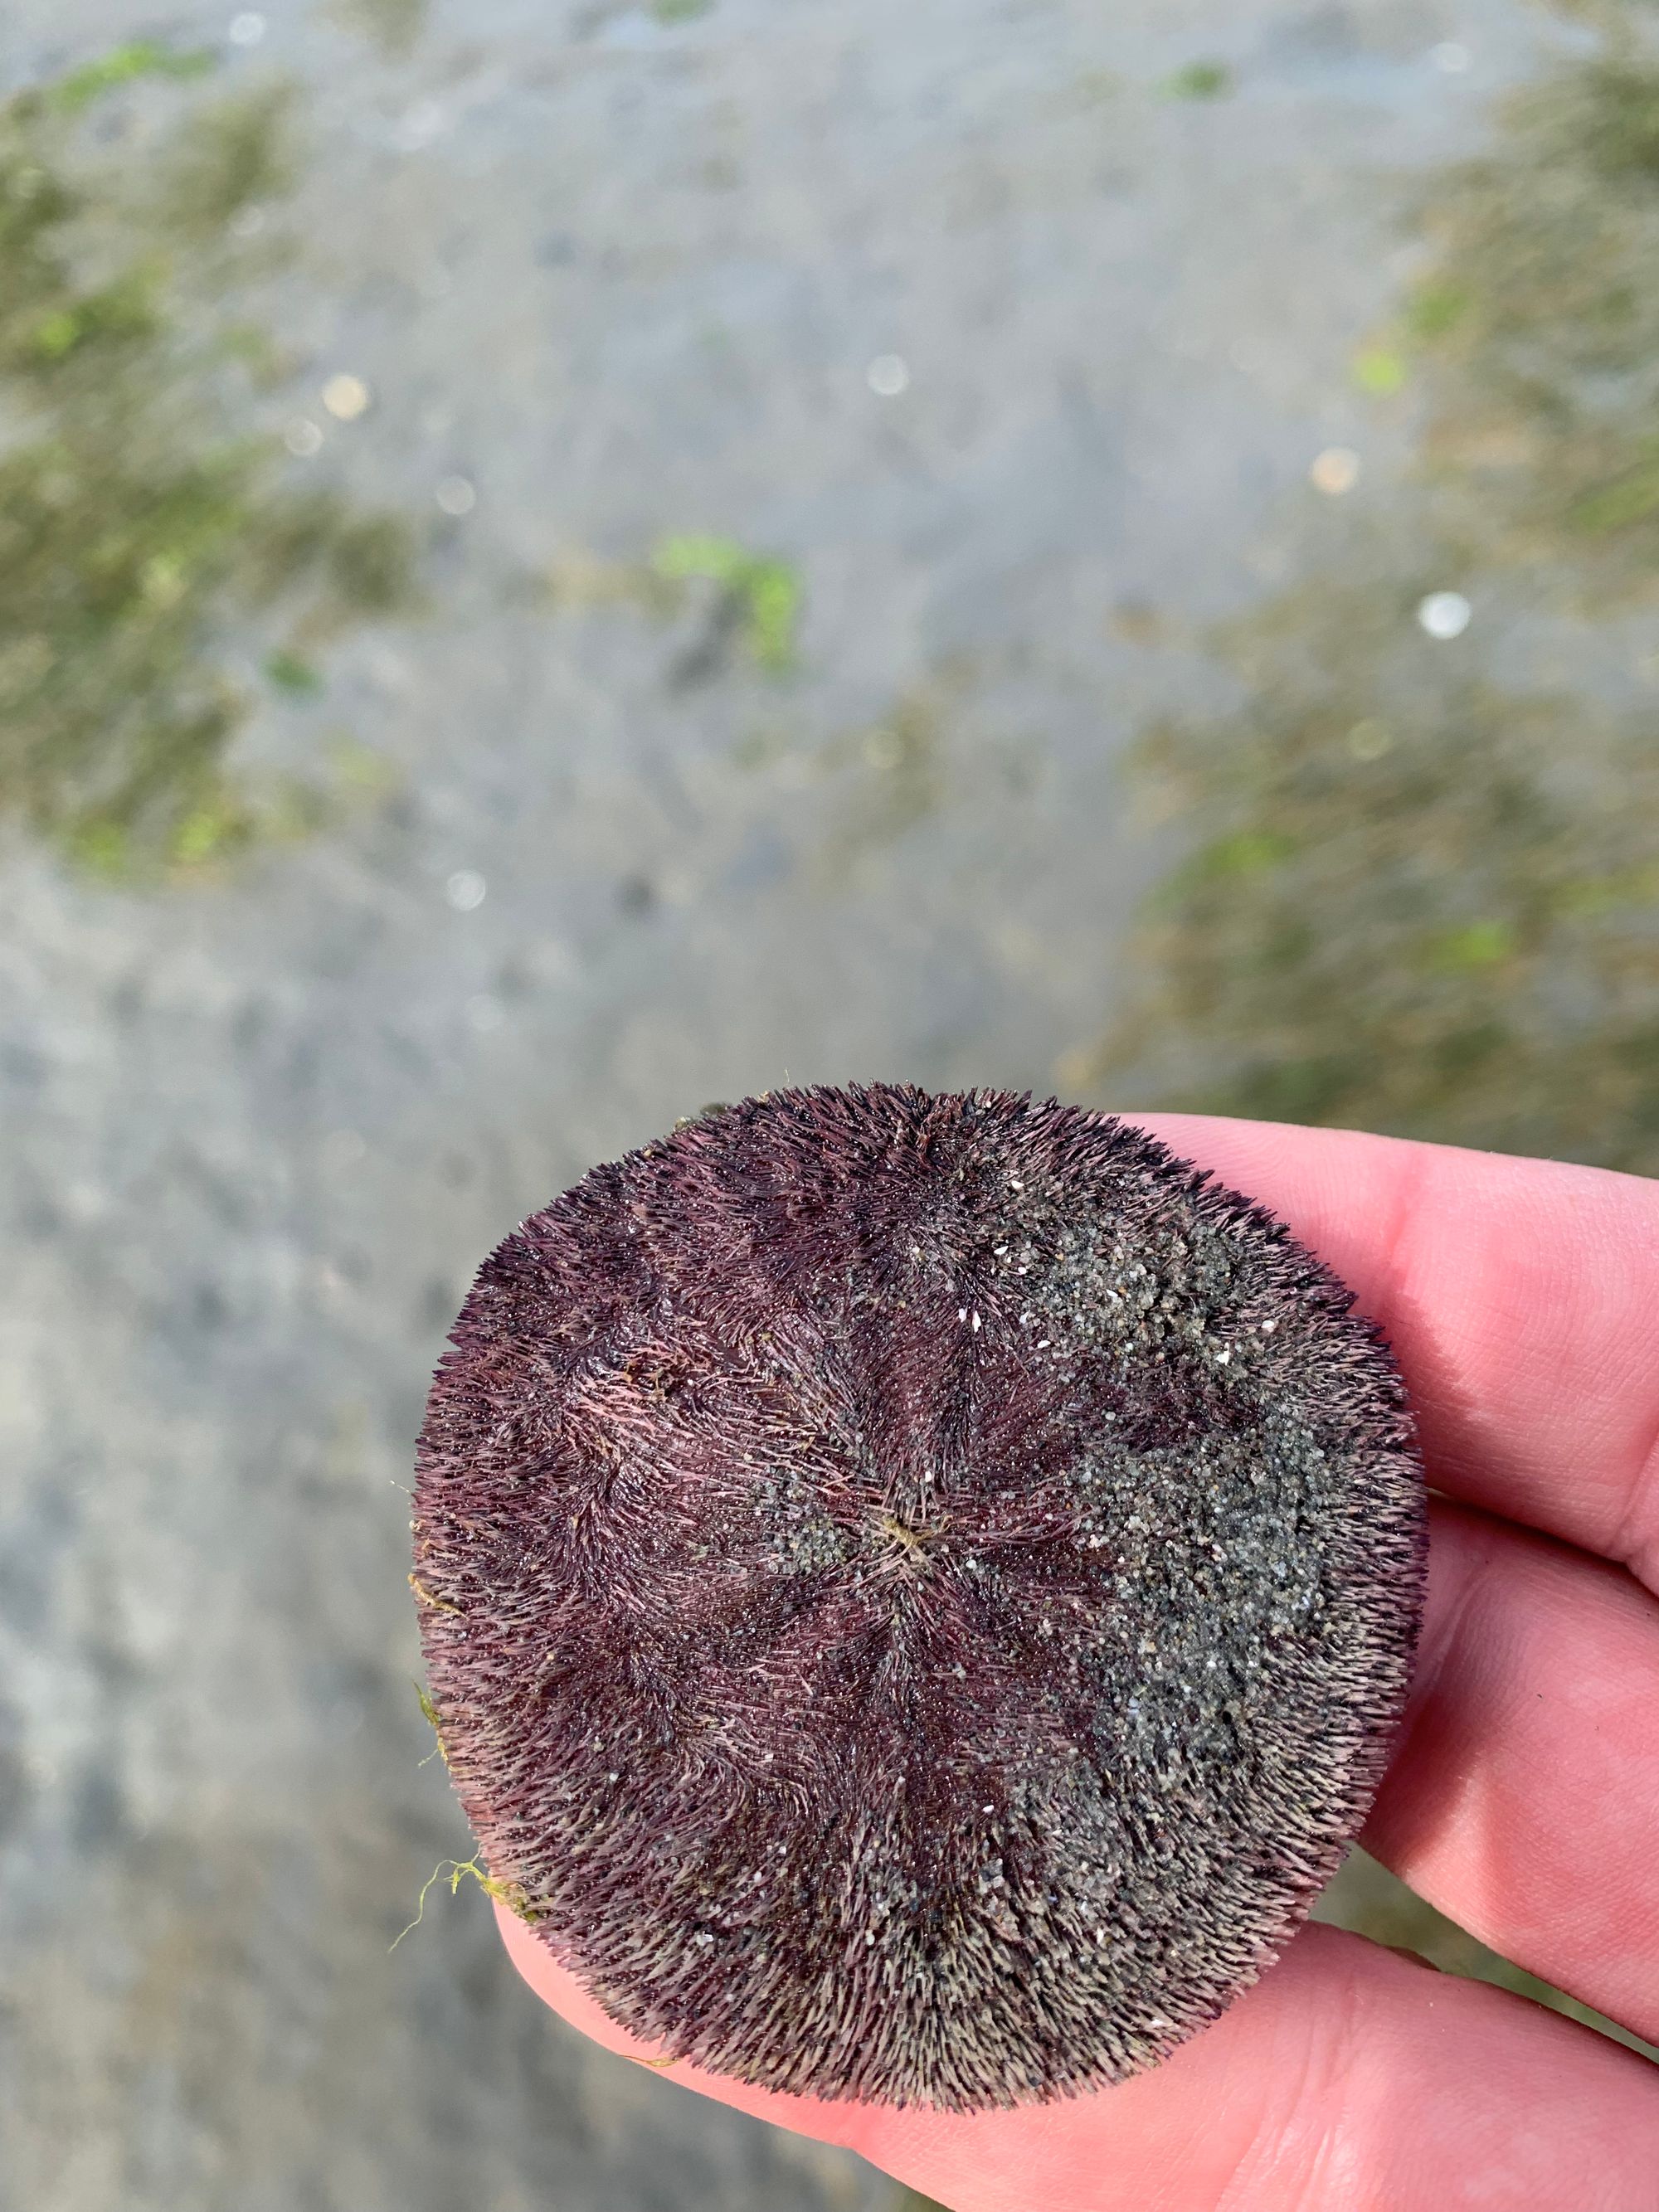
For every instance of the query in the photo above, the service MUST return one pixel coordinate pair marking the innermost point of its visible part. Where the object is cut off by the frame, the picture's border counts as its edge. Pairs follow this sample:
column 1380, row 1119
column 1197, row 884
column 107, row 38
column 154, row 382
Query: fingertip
column 563, row 1993
column 558, row 1988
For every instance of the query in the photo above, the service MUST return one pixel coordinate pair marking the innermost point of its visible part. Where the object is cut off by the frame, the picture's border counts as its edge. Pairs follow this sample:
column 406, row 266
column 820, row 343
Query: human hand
column 1521, row 1299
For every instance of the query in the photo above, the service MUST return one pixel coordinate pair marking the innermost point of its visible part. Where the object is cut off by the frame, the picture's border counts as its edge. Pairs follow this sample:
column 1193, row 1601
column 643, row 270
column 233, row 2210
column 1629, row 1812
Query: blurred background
column 564, row 559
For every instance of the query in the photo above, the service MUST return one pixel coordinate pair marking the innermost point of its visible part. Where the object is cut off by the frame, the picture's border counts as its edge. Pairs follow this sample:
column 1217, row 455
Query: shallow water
column 825, row 444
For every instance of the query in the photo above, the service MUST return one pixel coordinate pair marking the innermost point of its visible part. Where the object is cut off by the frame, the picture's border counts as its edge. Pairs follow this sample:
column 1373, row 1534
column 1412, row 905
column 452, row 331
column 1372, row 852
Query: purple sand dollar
column 918, row 1589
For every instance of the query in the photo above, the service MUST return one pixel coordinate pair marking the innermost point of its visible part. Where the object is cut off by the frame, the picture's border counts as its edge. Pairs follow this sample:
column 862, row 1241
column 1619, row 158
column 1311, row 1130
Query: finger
column 1523, row 1796
column 1521, row 1298
column 1348, row 2077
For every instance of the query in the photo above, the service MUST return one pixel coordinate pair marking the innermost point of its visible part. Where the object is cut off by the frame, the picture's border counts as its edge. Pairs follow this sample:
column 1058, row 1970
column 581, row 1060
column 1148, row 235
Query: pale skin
column 1521, row 1298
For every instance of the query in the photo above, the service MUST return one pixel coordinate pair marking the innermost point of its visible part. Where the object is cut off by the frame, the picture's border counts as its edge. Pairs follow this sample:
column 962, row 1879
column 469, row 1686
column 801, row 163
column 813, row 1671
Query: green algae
column 763, row 594
column 1199, row 80
column 1441, row 924
column 393, row 27
column 151, row 528
column 1419, row 891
